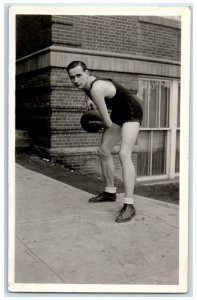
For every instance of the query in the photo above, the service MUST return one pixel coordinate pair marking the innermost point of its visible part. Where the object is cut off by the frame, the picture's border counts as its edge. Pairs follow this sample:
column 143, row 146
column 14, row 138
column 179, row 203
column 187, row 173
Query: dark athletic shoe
column 126, row 213
column 103, row 197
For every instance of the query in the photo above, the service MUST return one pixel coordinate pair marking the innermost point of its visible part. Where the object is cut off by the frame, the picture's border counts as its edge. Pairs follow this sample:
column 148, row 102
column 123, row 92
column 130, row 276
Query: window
column 156, row 137
column 155, row 96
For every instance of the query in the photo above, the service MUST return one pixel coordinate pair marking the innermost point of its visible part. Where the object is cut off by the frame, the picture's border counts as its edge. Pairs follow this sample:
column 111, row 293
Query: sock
column 110, row 189
column 128, row 200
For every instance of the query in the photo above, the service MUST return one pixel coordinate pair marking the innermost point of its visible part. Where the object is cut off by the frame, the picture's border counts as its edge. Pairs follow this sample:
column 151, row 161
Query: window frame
column 171, row 129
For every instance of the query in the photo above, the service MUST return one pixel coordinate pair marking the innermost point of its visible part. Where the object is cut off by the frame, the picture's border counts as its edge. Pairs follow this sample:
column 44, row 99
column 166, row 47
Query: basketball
column 91, row 121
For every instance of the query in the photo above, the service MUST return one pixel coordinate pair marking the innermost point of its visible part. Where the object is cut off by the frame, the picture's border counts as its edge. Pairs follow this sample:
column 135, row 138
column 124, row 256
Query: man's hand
column 90, row 104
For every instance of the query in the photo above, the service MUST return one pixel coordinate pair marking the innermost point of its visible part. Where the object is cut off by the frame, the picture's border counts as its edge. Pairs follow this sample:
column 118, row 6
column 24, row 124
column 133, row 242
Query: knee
column 104, row 153
column 125, row 156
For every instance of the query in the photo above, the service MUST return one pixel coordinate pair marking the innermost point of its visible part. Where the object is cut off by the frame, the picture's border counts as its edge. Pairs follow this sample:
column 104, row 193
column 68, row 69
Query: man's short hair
column 76, row 63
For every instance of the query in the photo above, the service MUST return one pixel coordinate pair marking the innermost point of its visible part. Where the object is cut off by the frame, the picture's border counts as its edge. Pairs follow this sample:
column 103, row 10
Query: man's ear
column 87, row 72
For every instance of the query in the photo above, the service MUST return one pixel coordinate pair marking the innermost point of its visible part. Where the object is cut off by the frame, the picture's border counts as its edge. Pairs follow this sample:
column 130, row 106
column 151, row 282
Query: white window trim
column 171, row 131
column 173, row 126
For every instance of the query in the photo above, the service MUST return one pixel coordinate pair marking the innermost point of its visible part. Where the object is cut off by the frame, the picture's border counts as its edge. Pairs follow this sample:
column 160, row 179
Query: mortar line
column 42, row 261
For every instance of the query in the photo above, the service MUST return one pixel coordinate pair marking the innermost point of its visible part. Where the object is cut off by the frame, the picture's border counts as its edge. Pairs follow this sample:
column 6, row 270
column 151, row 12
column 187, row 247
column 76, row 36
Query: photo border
column 185, row 12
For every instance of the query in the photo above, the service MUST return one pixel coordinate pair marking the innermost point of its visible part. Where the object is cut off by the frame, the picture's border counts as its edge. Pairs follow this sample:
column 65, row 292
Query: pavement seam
column 45, row 220
column 157, row 219
column 40, row 259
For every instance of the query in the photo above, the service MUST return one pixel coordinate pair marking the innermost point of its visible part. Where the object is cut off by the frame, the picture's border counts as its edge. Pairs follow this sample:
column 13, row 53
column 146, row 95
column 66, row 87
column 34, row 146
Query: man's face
column 79, row 77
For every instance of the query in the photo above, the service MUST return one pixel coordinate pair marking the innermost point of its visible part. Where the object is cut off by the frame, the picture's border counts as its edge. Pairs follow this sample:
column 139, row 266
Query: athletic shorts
column 129, row 114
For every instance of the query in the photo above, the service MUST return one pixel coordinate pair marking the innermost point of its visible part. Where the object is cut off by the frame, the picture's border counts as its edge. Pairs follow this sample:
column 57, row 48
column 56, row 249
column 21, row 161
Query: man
column 122, row 126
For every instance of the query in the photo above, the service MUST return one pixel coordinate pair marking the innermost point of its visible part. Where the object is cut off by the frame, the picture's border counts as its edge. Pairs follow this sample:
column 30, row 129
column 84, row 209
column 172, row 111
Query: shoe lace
column 123, row 208
column 99, row 195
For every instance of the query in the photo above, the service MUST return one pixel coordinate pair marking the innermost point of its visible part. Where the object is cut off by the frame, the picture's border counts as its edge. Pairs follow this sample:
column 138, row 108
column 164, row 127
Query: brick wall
column 120, row 34
column 47, row 104
column 33, row 106
column 33, row 33
column 158, row 41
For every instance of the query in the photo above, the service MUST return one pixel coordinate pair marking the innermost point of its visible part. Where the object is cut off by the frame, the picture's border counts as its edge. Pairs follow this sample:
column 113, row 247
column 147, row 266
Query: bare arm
column 90, row 104
column 98, row 96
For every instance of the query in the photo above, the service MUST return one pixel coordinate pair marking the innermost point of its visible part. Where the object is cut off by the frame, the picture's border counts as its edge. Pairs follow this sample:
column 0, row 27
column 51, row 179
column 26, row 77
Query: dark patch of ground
column 168, row 192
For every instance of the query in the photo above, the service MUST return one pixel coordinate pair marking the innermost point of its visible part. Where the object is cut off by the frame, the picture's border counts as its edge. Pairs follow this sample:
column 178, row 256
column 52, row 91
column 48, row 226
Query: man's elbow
column 108, row 124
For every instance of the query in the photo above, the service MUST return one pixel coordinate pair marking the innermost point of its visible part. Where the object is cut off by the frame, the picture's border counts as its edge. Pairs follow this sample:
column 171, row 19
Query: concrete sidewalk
column 63, row 239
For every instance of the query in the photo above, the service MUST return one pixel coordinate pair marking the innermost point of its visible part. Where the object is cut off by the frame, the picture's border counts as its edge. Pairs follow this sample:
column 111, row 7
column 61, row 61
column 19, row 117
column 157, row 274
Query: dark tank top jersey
column 124, row 106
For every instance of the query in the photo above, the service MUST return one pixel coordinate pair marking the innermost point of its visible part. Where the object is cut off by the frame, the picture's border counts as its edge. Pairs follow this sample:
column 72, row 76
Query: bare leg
column 110, row 138
column 129, row 135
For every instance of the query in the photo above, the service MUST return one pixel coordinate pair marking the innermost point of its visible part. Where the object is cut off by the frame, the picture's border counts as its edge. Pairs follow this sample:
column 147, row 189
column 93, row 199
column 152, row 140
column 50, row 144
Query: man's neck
column 88, row 86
